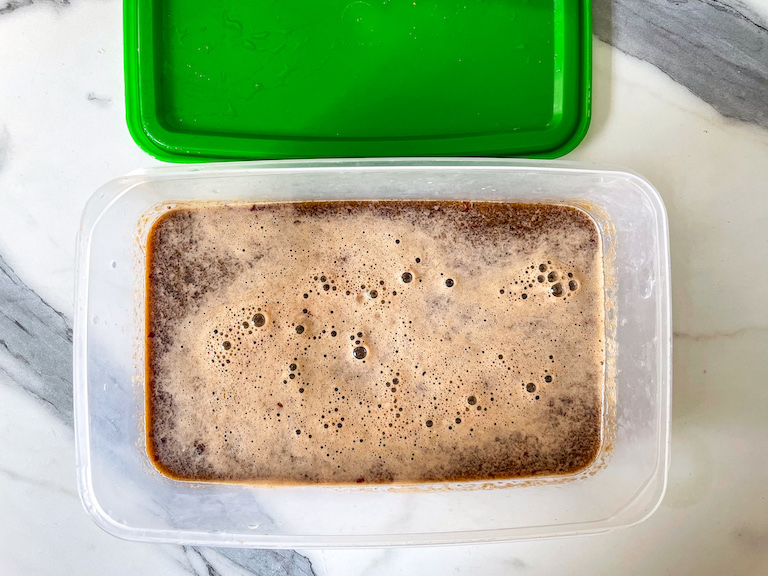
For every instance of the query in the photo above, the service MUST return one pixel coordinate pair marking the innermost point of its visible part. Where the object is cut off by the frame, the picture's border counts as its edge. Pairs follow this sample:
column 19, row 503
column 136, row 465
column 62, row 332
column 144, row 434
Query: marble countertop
column 680, row 96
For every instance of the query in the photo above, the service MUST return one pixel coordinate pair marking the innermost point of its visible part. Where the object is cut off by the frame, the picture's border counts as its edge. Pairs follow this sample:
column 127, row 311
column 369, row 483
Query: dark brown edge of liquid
column 149, row 435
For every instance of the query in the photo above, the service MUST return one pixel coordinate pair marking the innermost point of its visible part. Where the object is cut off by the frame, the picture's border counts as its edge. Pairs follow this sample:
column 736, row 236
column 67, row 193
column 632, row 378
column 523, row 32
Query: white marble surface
column 62, row 134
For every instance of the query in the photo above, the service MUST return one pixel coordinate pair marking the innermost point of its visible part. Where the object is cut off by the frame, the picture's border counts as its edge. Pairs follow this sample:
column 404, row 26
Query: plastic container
column 341, row 78
column 128, row 497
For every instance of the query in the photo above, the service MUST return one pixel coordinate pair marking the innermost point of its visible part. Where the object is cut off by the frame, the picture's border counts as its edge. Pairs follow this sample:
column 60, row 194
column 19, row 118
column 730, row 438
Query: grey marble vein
column 716, row 335
column 718, row 49
column 104, row 101
column 267, row 563
column 36, row 353
column 35, row 345
column 11, row 5
column 36, row 482
column 5, row 145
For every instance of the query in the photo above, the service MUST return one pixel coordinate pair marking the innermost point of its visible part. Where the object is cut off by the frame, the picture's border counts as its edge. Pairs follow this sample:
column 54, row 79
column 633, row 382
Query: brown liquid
column 343, row 342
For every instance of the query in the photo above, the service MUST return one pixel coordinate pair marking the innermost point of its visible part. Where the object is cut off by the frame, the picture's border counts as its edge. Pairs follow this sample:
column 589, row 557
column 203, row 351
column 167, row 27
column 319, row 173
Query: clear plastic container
column 129, row 498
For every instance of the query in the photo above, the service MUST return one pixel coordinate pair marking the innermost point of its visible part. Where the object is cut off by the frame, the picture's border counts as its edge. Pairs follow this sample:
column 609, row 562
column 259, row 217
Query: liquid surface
column 351, row 342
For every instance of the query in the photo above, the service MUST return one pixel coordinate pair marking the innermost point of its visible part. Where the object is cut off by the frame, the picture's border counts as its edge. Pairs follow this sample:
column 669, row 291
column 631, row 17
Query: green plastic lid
column 257, row 79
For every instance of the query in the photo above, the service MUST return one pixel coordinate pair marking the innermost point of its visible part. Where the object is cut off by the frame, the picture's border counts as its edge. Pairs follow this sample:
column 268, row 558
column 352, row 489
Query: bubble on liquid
column 458, row 420
column 542, row 267
column 573, row 285
column 359, row 352
column 530, row 387
column 449, row 282
column 552, row 276
column 259, row 320
column 541, row 278
column 226, row 345
column 547, row 378
column 293, row 367
column 429, row 423
column 557, row 289
column 299, row 329
column 374, row 294
column 407, row 277
column 471, row 400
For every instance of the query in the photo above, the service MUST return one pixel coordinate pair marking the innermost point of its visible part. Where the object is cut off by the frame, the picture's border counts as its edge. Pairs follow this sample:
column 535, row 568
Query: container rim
column 651, row 492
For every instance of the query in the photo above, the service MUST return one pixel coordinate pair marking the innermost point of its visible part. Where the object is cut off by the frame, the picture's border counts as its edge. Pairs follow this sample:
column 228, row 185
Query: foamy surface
column 344, row 342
